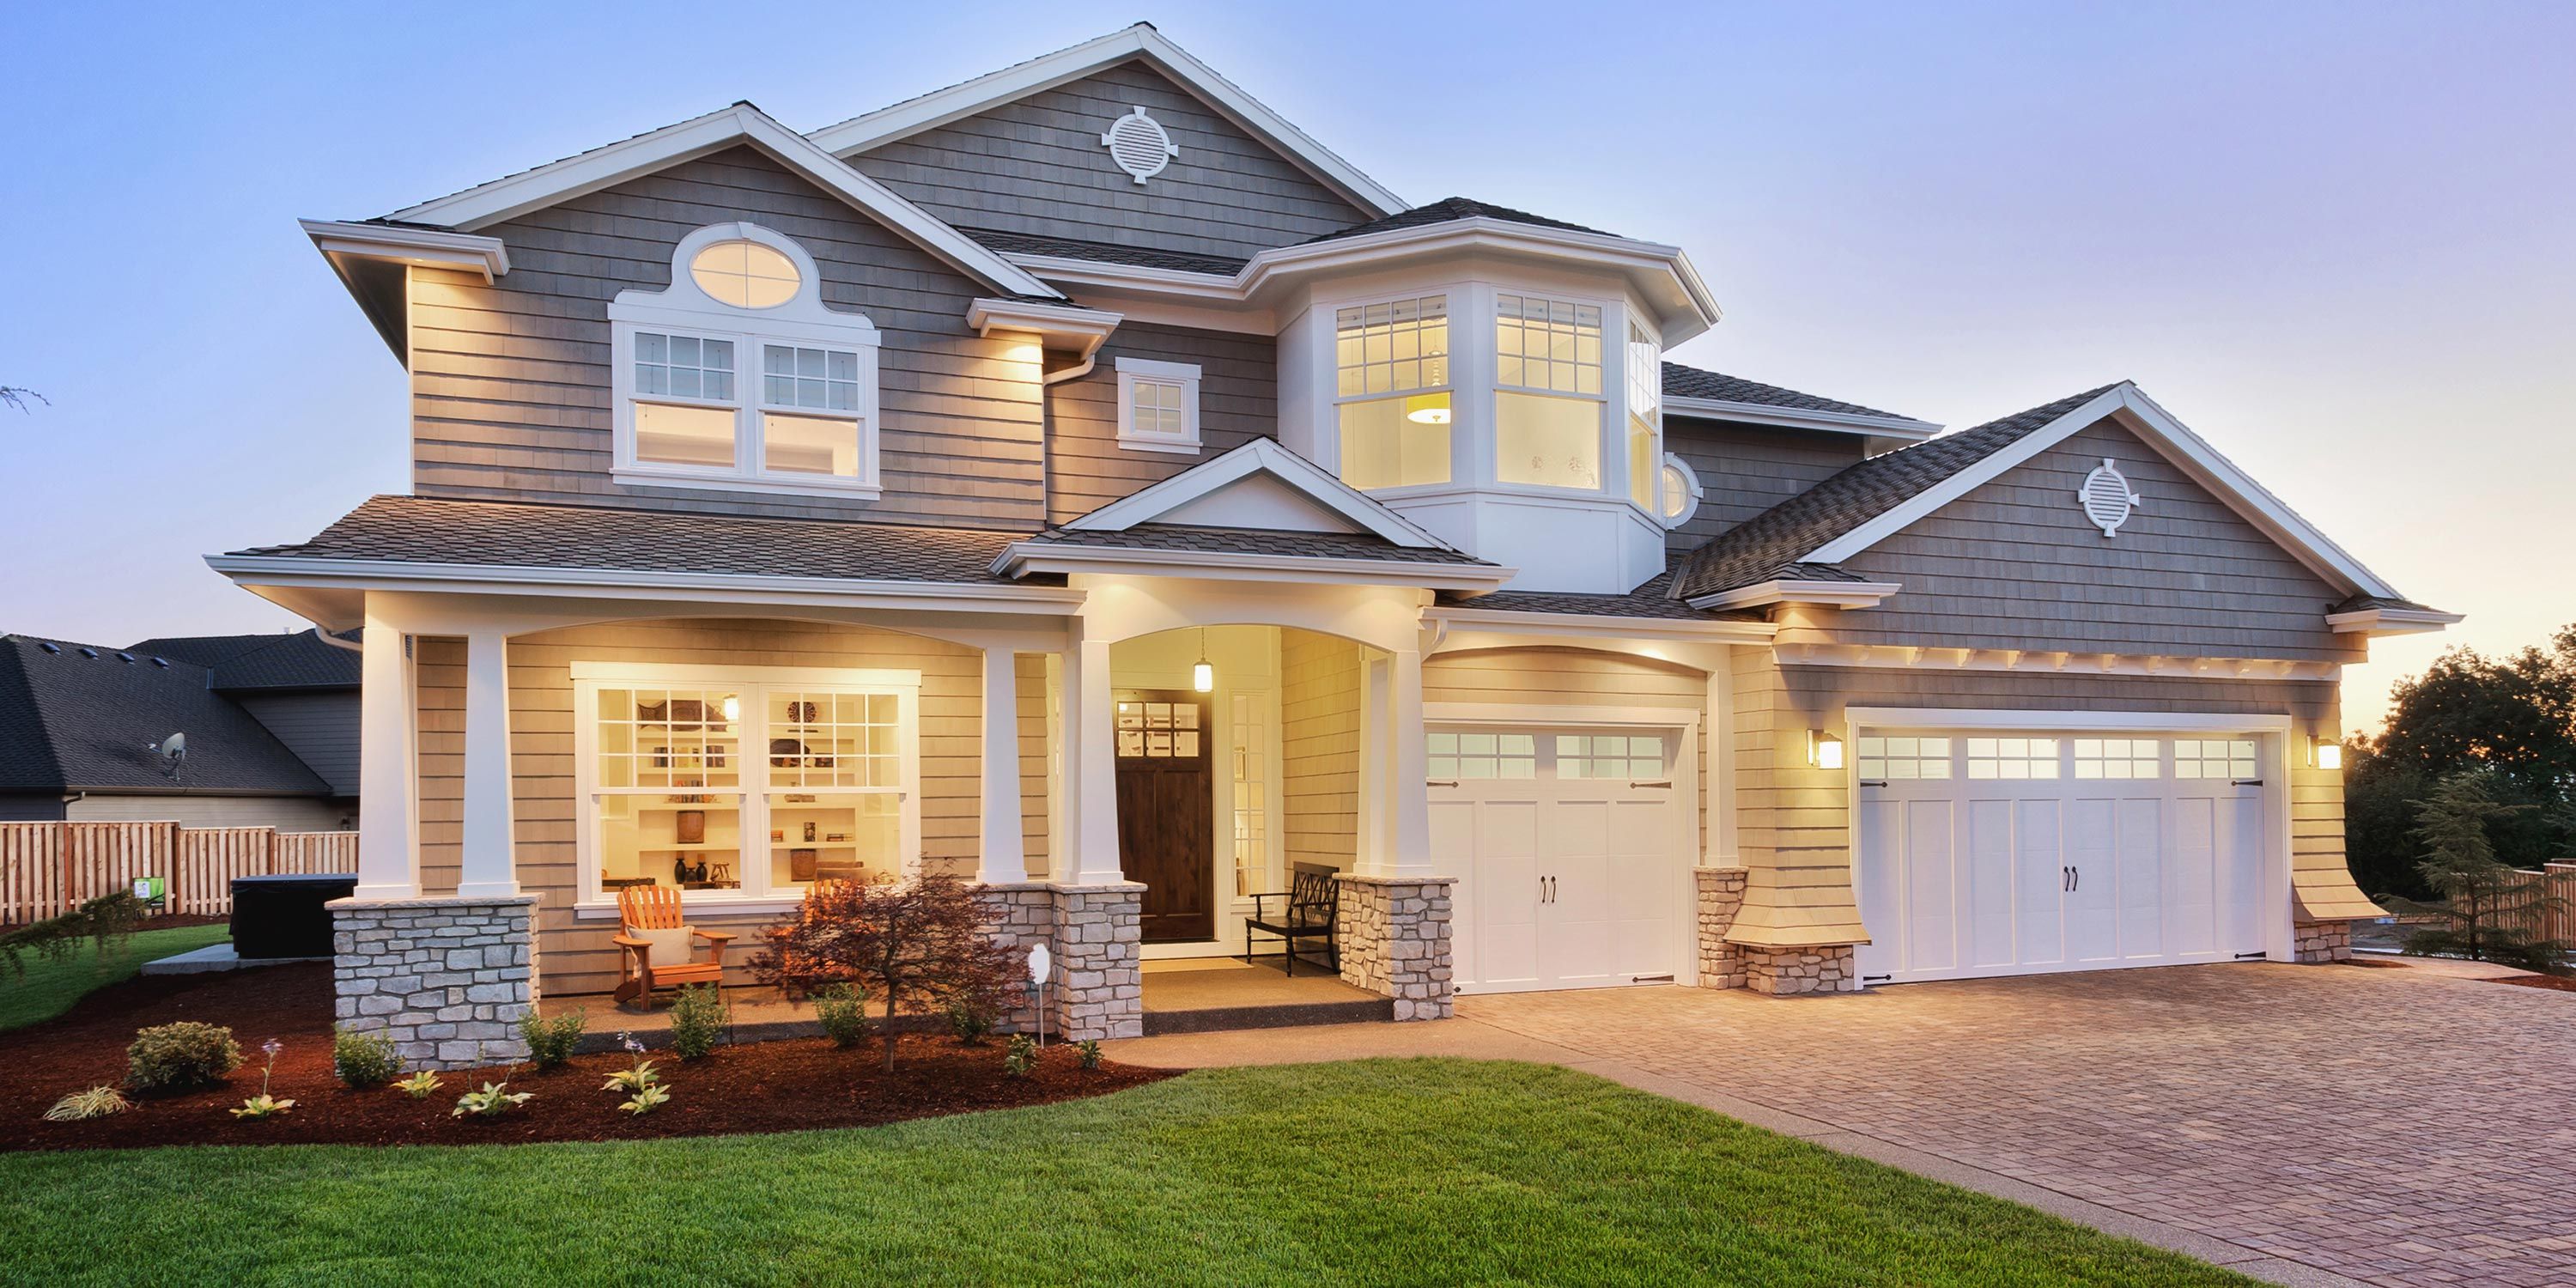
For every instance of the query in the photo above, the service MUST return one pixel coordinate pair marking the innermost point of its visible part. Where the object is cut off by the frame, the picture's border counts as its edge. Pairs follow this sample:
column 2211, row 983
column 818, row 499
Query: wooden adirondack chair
column 658, row 908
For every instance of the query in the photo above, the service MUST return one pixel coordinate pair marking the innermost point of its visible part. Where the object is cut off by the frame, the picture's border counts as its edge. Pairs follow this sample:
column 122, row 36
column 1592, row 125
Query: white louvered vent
column 2106, row 498
column 1139, row 145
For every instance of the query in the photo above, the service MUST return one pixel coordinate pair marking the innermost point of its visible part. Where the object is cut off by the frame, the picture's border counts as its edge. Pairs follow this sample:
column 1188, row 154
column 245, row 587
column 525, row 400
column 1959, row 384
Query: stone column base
column 1787, row 972
column 2320, row 942
column 445, row 979
column 1093, row 933
column 1394, row 940
column 1721, row 896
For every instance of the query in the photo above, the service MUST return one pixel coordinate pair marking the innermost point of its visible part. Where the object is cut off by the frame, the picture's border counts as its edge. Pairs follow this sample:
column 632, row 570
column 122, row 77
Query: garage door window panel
column 2119, row 758
column 1886, row 759
column 2012, row 758
column 2229, row 758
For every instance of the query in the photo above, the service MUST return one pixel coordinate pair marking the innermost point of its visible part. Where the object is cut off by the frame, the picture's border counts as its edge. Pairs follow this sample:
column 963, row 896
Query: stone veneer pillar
column 1787, row 972
column 2320, row 942
column 445, row 979
column 1094, row 933
column 1721, row 896
column 1394, row 940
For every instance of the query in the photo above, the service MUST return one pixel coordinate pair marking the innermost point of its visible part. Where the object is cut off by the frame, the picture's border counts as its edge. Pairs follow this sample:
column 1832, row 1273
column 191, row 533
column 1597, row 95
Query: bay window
column 1547, row 396
column 744, row 783
column 1645, row 416
column 1392, row 390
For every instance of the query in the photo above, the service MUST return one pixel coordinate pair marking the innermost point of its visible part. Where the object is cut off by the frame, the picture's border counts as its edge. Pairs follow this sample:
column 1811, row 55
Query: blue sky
column 2337, row 240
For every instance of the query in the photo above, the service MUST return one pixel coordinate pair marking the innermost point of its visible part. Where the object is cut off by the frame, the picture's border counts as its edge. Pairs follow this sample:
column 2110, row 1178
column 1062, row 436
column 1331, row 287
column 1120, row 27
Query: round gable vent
column 1139, row 145
column 2106, row 498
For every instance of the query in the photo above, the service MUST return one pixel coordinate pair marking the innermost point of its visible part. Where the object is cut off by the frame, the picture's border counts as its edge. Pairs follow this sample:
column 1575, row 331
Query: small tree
column 2489, row 911
column 921, row 941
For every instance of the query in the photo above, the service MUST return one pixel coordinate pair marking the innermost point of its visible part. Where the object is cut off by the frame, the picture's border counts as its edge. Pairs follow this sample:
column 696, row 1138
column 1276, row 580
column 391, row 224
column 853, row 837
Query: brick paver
column 2395, row 1126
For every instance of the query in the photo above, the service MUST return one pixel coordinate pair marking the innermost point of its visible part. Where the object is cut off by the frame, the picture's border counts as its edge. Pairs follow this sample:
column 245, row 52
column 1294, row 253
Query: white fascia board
column 2171, row 439
column 1468, row 617
column 606, row 583
column 503, row 199
column 1832, row 422
column 1835, row 594
column 2375, row 622
column 1261, row 455
column 1063, row 326
column 423, row 247
column 2062, row 721
column 1025, row 557
column 993, row 89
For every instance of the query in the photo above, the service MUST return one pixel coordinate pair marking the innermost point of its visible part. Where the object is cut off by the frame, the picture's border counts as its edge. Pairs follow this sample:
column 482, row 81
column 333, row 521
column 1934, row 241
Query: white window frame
column 1693, row 492
column 803, row 320
column 1451, row 296
column 752, row 684
column 1146, row 371
column 1610, row 445
column 1649, row 381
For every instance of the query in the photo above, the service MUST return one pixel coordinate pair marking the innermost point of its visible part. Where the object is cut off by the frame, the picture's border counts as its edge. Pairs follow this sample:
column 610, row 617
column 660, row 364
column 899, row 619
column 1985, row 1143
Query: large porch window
column 746, row 783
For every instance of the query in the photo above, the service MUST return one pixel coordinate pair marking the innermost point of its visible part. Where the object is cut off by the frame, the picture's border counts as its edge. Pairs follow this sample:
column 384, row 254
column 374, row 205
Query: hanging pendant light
column 1203, row 676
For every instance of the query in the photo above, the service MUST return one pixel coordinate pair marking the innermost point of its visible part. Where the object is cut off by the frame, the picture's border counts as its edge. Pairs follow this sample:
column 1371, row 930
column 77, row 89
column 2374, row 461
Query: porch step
column 1277, row 1015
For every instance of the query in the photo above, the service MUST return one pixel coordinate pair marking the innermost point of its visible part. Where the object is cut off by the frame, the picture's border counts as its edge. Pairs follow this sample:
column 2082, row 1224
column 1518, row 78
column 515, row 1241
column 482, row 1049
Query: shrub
column 420, row 1085
column 970, row 1022
column 97, row 1102
column 920, row 941
column 550, row 1041
column 646, row 1099
column 186, row 1054
column 1022, row 1057
column 842, row 1010
column 1087, row 1051
column 697, row 1016
column 492, row 1101
column 363, row 1060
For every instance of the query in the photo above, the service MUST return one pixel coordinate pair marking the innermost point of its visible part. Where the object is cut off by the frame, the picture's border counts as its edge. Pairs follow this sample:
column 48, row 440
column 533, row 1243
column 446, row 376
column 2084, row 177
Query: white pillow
column 667, row 948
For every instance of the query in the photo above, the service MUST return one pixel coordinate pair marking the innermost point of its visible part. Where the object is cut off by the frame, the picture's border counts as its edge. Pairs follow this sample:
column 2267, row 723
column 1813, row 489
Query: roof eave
column 1832, row 422
column 2373, row 623
column 1601, row 623
column 1022, row 558
column 1828, row 594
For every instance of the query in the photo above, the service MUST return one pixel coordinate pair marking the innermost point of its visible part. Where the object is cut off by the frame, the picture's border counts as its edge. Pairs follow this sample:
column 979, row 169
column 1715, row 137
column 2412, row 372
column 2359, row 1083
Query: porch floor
column 1206, row 994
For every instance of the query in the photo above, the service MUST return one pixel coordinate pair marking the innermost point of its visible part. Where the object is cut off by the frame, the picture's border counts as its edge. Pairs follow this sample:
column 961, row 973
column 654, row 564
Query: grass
column 50, row 987
column 1379, row 1171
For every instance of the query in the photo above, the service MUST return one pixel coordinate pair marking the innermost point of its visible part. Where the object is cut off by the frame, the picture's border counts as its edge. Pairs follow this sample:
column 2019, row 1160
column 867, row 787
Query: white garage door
column 1574, row 851
column 1999, row 854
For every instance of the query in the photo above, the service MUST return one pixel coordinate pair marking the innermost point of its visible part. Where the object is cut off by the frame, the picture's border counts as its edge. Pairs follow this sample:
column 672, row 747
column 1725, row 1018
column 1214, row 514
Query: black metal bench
column 1313, row 897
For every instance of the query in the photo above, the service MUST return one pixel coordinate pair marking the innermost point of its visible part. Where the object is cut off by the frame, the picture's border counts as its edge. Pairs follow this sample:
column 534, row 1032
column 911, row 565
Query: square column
column 1090, row 768
column 388, row 833
column 487, row 868
column 1394, row 802
column 1004, row 858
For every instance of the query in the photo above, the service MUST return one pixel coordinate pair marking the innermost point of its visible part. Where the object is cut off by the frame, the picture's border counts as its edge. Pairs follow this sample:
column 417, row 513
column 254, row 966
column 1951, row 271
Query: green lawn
column 50, row 987
column 1414, row 1171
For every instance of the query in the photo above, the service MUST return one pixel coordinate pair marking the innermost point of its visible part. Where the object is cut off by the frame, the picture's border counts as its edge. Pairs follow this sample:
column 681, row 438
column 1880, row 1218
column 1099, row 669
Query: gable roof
column 1449, row 210
column 740, row 124
column 1141, row 41
column 77, row 717
column 1805, row 536
column 1264, row 457
column 298, row 660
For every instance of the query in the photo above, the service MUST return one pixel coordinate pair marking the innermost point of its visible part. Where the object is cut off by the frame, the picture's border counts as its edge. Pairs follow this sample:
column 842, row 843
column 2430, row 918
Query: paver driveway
column 2392, row 1125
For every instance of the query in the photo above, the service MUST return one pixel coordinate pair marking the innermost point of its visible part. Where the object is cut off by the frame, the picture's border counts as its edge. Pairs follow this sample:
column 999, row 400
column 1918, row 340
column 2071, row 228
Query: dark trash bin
column 283, row 916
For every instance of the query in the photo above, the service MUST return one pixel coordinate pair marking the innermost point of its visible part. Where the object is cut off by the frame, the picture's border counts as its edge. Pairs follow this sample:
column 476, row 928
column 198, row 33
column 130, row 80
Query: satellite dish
column 172, row 750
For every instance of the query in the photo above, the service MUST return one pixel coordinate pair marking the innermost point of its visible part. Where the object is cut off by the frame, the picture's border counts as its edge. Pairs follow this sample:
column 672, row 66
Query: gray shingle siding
column 1036, row 166
column 1238, row 402
column 1746, row 469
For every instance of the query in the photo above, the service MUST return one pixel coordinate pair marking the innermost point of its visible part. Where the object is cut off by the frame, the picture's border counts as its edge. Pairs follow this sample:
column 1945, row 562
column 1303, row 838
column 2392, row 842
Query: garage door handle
column 1439, row 782
column 1660, row 782
column 1873, row 782
column 2079, row 879
column 2245, row 782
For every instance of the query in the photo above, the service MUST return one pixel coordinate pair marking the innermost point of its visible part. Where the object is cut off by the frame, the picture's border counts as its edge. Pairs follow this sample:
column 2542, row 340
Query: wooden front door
column 1166, row 811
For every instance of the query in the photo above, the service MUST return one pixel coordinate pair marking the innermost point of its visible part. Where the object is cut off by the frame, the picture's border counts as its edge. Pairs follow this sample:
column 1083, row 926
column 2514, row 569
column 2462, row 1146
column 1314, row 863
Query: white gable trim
column 503, row 199
column 957, row 102
column 2375, row 622
column 2171, row 439
column 1831, row 422
column 1022, row 558
column 419, row 247
column 1261, row 455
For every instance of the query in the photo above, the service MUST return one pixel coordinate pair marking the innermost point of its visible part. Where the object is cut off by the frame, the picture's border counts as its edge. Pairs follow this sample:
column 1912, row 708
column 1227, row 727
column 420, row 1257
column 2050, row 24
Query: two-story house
column 1083, row 481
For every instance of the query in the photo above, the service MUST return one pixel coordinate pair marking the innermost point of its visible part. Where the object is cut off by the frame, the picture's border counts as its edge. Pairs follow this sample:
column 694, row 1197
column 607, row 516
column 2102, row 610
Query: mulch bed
column 2562, row 983
column 790, row 1085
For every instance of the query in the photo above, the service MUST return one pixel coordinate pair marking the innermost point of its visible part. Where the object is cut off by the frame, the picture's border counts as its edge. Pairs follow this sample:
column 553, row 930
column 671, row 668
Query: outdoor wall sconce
column 1824, row 751
column 2325, row 753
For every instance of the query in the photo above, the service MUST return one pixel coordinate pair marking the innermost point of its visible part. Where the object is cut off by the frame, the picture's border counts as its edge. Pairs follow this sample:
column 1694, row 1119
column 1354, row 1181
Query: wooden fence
column 2557, row 881
column 49, row 868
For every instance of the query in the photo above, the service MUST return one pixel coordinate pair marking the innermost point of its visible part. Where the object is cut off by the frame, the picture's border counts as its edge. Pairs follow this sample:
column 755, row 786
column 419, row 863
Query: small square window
column 1158, row 406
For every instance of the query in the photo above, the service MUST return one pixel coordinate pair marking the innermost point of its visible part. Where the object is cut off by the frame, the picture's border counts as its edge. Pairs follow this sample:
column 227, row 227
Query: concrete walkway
column 2300, row 1125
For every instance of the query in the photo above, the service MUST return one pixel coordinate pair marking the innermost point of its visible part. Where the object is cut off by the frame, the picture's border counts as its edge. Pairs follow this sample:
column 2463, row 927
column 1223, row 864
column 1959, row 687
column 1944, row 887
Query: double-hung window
column 737, row 377
column 1392, row 392
column 1547, row 393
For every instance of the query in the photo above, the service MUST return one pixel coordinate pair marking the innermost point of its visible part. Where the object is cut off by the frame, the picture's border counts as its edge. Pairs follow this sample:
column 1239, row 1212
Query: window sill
column 1169, row 446
column 694, row 901
column 632, row 477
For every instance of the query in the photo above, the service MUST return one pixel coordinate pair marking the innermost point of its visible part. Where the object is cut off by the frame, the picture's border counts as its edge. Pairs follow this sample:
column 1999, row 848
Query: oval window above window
column 745, row 274
column 1678, row 495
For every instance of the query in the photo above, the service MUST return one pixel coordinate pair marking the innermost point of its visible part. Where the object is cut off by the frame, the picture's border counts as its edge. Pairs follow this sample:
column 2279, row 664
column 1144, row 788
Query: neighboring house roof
column 1450, row 210
column 1137, row 42
column 300, row 660
column 76, row 718
column 1692, row 382
column 1010, row 243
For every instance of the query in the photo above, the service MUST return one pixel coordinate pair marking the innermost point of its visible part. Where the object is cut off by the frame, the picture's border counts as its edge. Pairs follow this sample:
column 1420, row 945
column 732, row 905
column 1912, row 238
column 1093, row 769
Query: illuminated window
column 1888, row 759
column 1645, row 419
column 1596, row 755
column 1547, row 400
column 2009, row 758
column 1680, row 492
column 1457, row 757
column 2214, row 758
column 1158, row 406
column 1391, row 379
column 745, row 274
column 1248, row 737
column 2118, row 758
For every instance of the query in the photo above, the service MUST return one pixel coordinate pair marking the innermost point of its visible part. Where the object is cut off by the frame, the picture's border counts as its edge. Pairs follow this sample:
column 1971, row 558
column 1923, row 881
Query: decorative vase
column 809, row 831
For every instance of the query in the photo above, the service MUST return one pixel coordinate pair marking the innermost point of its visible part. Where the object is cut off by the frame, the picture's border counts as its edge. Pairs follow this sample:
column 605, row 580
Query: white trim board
column 502, row 199
column 2170, row 438
column 1908, row 657
column 1263, row 456
column 1025, row 557
column 1510, row 713
column 1832, row 422
column 2062, row 721
column 929, row 111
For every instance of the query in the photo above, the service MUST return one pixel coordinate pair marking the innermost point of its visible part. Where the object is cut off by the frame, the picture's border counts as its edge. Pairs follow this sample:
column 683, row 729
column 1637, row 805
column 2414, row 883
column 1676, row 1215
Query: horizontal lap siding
column 1746, row 469
column 1238, row 402
column 1036, row 165
column 2014, row 564
column 511, row 386
column 575, row 955
column 1319, row 742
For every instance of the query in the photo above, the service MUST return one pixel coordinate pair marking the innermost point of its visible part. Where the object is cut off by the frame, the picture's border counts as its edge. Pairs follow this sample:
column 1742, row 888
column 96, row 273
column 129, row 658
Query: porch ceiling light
column 1824, row 750
column 2325, row 753
column 1203, row 675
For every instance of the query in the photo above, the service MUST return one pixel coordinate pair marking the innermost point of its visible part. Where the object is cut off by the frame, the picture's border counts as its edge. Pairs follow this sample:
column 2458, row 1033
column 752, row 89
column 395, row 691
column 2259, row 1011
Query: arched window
column 738, row 378
column 1677, row 492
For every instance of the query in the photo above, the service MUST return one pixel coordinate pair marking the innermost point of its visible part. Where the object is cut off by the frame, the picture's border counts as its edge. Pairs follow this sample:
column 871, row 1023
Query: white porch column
column 1408, row 794
column 1090, row 733
column 487, row 868
column 1719, row 725
column 388, row 838
column 1004, row 856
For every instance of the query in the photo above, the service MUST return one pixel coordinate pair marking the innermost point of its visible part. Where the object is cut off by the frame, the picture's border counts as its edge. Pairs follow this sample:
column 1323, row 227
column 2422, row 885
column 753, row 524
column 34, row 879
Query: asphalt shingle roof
column 300, row 660
column 1692, row 382
column 1010, row 243
column 1653, row 599
column 1254, row 541
column 1767, row 546
column 1448, row 210
column 77, row 717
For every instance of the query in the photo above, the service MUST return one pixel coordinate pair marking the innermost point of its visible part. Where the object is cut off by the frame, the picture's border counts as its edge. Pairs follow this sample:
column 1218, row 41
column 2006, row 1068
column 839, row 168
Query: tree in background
column 16, row 396
column 2488, row 911
column 2514, row 715
column 921, row 941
